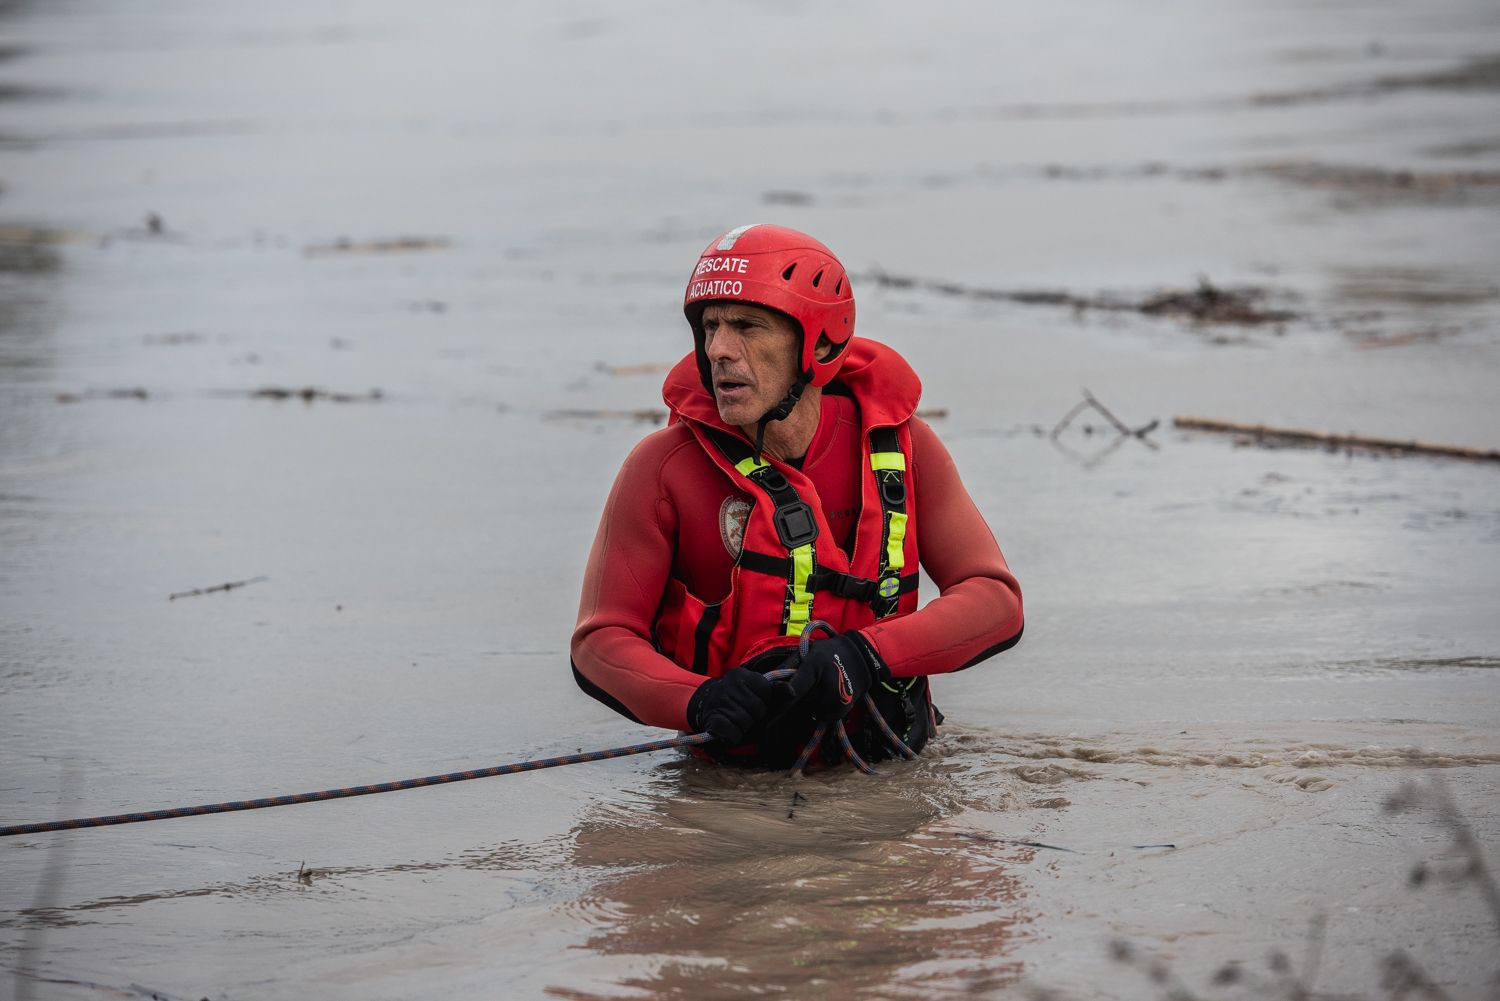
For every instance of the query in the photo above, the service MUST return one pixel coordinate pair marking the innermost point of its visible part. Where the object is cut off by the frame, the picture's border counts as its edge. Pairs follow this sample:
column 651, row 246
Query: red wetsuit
column 674, row 515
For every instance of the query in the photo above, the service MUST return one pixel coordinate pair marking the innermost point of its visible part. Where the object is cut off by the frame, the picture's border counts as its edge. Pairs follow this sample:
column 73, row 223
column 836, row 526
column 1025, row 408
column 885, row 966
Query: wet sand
column 371, row 303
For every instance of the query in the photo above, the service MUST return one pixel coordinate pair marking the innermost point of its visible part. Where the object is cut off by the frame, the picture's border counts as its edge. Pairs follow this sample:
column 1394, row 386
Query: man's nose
column 723, row 346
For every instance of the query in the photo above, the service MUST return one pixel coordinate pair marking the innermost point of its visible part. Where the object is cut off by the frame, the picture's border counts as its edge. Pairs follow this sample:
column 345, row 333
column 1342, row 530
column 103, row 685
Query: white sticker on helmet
column 734, row 234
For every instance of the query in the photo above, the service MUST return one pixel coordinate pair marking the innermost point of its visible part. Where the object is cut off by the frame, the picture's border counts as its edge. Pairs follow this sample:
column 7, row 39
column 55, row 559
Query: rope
column 690, row 740
column 895, row 743
column 369, row 790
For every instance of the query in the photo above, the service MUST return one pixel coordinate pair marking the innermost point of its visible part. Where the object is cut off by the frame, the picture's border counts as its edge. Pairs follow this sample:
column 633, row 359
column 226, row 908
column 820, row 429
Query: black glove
column 835, row 674
column 731, row 707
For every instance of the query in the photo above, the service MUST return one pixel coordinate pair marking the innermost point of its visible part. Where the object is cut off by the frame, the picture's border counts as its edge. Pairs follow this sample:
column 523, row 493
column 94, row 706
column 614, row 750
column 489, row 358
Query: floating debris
column 1091, row 401
column 1207, row 304
column 230, row 586
column 180, row 337
column 1210, row 304
column 28, row 250
column 1377, row 180
column 997, row 840
column 1480, row 73
column 308, row 394
column 1060, row 172
column 1365, row 340
column 1262, row 434
column 137, row 393
column 40, row 235
column 645, row 415
column 398, row 245
column 636, row 368
column 1123, row 432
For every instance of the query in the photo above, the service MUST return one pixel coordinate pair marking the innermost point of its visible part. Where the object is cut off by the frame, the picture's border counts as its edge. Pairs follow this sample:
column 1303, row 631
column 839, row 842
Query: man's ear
column 823, row 350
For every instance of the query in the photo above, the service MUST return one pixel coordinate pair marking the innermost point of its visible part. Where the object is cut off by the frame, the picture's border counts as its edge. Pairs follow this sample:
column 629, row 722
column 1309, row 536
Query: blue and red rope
column 348, row 791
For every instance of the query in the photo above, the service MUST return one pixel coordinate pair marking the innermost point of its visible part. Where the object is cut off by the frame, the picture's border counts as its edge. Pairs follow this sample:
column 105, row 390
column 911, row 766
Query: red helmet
column 783, row 270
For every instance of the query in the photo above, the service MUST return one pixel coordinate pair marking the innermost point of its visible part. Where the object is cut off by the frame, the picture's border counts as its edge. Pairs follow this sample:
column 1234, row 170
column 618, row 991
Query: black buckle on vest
column 844, row 585
column 893, row 492
column 795, row 524
column 770, row 479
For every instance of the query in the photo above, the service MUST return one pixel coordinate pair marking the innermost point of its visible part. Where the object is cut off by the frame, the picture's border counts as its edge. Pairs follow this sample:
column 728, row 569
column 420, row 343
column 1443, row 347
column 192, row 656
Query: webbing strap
column 861, row 588
column 799, row 598
column 774, row 566
column 895, row 540
column 796, row 527
column 702, row 634
column 888, row 463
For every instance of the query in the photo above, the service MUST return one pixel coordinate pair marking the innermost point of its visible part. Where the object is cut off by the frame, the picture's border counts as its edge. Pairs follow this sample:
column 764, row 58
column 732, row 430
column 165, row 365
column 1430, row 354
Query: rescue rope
column 367, row 790
column 896, row 743
column 689, row 740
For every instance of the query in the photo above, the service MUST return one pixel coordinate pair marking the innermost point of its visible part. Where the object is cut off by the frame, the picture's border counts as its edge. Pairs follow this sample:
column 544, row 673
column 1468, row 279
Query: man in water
column 793, row 483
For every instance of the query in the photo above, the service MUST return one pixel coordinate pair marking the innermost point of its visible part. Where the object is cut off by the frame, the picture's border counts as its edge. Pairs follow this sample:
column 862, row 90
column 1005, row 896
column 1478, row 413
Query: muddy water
column 465, row 230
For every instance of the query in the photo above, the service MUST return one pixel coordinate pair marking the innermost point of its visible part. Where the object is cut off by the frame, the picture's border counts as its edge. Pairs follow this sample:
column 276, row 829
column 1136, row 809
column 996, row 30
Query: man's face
column 753, row 356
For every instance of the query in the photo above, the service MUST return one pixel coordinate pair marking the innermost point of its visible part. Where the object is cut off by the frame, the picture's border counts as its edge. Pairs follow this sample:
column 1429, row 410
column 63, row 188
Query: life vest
column 790, row 569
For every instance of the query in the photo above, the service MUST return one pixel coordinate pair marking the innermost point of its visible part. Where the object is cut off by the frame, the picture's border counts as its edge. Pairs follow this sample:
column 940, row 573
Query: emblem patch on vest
column 733, row 514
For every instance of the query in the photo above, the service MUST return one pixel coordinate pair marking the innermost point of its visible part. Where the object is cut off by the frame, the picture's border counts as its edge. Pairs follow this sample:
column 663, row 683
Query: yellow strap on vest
column 887, row 460
column 895, row 539
column 748, row 466
column 799, row 609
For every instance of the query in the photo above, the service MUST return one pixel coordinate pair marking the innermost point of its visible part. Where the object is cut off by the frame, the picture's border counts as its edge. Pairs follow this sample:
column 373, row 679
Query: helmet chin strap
column 780, row 412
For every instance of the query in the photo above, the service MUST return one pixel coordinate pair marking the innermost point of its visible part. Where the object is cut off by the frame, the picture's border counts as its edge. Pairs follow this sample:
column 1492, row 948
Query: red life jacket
column 791, row 569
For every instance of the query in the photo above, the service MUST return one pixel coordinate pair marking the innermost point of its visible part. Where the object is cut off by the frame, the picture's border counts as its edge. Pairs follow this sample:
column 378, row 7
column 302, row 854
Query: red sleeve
column 978, row 612
column 614, row 658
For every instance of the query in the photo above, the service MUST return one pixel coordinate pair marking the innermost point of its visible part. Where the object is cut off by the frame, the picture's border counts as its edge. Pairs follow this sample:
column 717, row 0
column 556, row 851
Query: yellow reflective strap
column 887, row 460
column 799, row 609
column 895, row 539
column 748, row 466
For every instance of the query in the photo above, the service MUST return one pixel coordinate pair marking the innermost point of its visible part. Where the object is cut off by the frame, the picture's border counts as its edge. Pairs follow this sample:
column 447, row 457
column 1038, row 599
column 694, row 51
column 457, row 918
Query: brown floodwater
column 364, row 304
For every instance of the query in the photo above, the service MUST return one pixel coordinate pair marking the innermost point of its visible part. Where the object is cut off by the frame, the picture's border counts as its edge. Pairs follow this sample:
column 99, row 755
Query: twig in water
column 230, row 586
column 994, row 839
column 797, row 797
column 1091, row 402
column 1264, row 432
column 1067, row 418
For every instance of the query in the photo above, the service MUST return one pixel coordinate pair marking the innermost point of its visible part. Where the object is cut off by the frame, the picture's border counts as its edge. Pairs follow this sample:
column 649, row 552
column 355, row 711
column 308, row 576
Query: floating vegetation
column 397, row 245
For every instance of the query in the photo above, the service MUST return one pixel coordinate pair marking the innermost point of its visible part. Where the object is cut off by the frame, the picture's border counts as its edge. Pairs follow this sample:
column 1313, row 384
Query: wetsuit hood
column 880, row 379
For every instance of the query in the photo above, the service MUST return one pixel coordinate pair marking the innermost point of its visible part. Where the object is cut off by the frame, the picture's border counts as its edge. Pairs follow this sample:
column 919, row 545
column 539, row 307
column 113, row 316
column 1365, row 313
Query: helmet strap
column 780, row 412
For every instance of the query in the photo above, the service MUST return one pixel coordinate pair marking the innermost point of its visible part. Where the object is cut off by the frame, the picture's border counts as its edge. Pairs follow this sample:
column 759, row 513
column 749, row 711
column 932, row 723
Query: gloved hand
column 835, row 674
column 731, row 707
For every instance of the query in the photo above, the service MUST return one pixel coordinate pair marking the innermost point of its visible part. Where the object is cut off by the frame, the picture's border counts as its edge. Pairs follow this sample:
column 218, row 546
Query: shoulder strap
column 888, row 463
column 796, row 527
